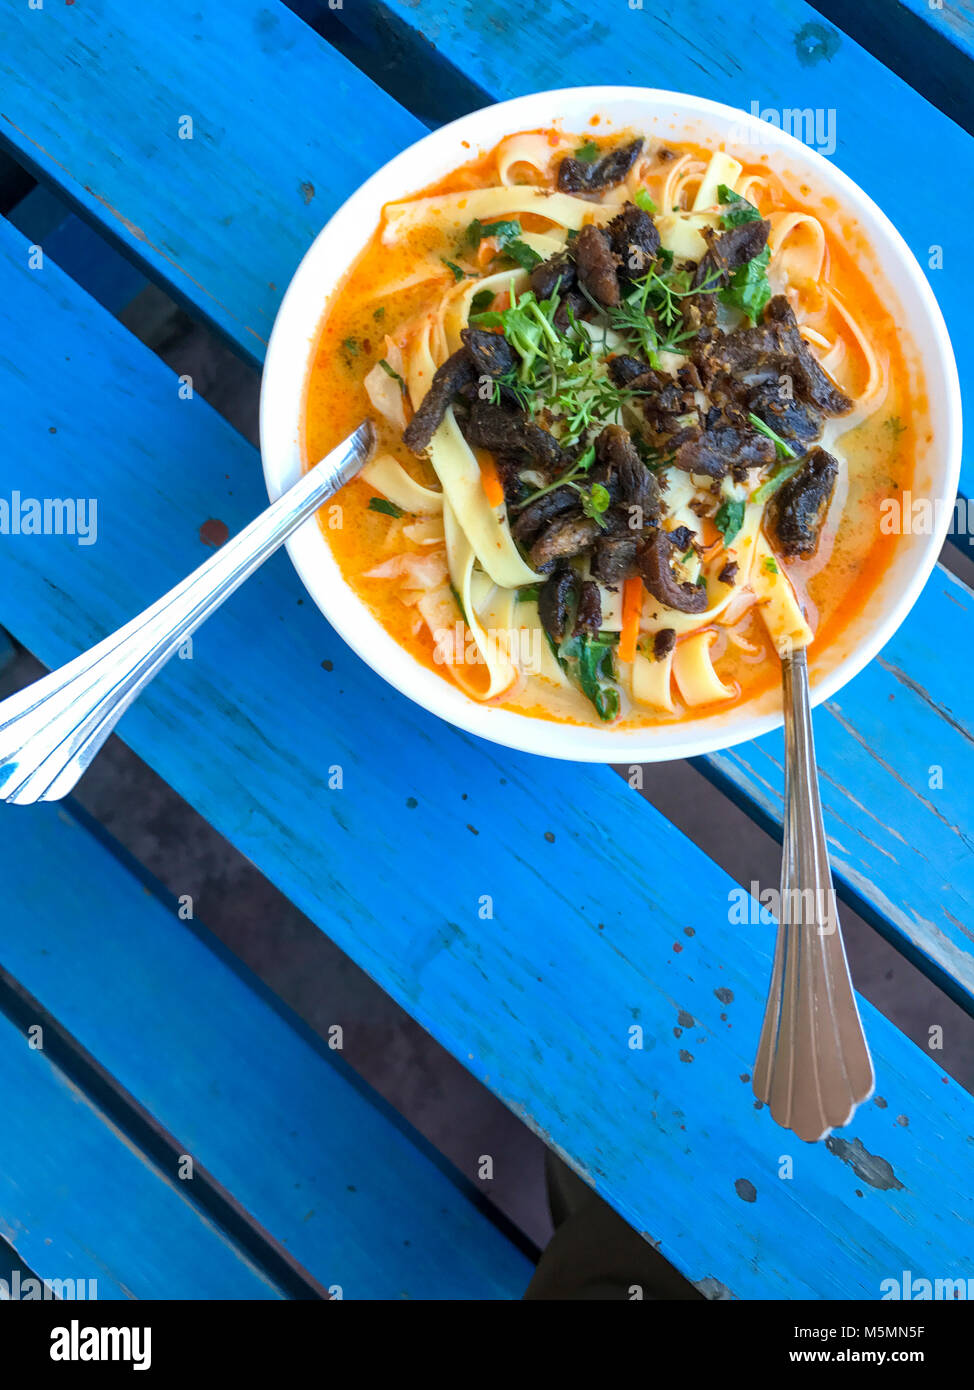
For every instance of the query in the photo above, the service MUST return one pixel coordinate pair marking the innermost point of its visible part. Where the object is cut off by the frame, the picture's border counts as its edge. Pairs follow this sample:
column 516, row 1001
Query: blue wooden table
column 246, row 1159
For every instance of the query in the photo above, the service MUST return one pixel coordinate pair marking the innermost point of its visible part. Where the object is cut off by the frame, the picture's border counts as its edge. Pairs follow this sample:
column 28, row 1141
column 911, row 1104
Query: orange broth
column 832, row 587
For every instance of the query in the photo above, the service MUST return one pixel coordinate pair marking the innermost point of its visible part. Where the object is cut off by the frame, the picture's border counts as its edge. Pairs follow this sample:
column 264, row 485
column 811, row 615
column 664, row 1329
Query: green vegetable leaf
column 391, row 371
column 380, row 313
column 783, row 448
column 771, row 485
column 596, row 502
column 503, row 231
column 351, row 346
column 588, row 662
column 643, row 200
column 482, row 300
column 748, row 288
column 729, row 518
column 587, row 153
column 382, row 504
column 736, row 208
column 770, row 565
column 458, row 271
column 526, row 325
column 523, row 254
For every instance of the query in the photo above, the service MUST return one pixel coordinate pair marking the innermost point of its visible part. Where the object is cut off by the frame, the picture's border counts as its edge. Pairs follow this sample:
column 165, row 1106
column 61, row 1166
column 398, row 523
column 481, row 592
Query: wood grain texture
column 314, row 1158
column 94, row 97
column 225, row 248
column 78, row 1201
column 779, row 53
column 527, row 913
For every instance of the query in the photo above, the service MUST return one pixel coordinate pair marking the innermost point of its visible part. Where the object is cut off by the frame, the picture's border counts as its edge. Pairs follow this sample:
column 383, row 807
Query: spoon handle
column 51, row 730
column 813, row 1065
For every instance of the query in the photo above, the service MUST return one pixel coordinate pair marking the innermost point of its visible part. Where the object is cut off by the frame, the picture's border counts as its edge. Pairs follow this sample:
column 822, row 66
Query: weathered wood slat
column 221, row 251
column 780, row 54
column 79, row 1202
column 318, row 1161
column 527, row 914
column 280, row 129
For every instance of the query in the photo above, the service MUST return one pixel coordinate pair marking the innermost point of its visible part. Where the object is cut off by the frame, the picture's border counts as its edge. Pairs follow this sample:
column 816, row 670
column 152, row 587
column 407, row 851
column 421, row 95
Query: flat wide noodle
column 388, row 476
column 453, row 212
column 485, row 528
column 777, row 602
column 651, row 684
column 492, row 643
column 693, row 671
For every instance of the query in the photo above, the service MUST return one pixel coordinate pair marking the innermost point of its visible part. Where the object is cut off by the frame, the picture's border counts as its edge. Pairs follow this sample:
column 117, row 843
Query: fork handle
column 50, row 731
column 813, row 1065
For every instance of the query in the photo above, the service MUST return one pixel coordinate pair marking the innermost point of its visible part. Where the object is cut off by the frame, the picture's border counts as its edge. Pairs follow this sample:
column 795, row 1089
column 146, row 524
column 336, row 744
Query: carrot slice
column 632, row 606
column 493, row 487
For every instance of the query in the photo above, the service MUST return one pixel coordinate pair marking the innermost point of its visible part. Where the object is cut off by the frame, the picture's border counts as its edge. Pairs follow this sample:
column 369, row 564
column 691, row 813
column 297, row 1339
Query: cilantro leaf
column 736, row 208
column 643, row 200
column 458, row 271
column 482, row 300
column 748, row 288
column 503, row 231
column 729, row 518
column 523, row 254
column 587, row 153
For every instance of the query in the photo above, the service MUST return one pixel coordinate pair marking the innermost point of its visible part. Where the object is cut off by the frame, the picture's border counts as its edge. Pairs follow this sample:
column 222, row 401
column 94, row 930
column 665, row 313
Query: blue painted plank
column 229, row 252
column 534, row 991
column 78, row 1201
column 221, row 218
column 953, row 21
column 779, row 53
column 899, row 842
column 928, row 43
column 275, row 1119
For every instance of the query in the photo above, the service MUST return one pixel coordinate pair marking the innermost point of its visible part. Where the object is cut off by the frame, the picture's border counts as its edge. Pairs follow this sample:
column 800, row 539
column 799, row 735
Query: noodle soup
column 637, row 409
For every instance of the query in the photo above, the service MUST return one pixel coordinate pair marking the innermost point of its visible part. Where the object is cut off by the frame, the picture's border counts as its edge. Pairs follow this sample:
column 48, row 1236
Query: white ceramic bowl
column 671, row 116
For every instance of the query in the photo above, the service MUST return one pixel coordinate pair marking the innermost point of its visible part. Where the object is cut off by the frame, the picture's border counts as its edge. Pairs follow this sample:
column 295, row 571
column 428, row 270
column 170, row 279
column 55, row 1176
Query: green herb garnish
column 748, row 288
column 380, row 313
column 458, row 272
column 770, row 565
column 351, row 346
column 587, row 153
column 482, row 300
column 642, row 200
column 771, row 485
column 596, row 502
column 503, row 231
column 589, row 664
column 729, row 518
column 523, row 254
column 391, row 371
column 382, row 504
column 735, row 208
column 782, row 447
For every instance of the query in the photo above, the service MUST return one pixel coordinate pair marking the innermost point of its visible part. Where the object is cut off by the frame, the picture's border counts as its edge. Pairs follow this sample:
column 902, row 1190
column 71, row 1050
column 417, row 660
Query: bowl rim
column 281, row 411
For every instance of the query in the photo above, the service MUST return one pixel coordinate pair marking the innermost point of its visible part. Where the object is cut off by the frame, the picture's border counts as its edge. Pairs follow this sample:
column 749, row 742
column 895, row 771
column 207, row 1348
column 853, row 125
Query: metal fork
column 51, row 730
column 813, row 1065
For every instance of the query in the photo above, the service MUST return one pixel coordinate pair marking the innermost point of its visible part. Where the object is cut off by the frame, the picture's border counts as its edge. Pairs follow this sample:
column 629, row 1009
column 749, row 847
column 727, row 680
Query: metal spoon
column 813, row 1065
column 51, row 730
